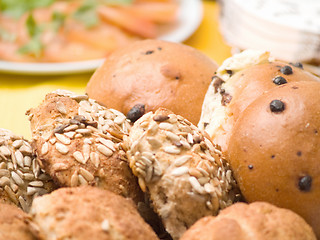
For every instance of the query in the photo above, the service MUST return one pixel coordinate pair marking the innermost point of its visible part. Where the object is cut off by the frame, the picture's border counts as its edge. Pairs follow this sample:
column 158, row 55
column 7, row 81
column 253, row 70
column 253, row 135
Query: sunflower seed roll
column 180, row 168
column 78, row 141
column 21, row 178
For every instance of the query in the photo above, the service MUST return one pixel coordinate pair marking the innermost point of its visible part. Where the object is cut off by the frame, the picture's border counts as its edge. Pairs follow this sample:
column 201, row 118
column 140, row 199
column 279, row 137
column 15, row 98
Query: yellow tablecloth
column 18, row 93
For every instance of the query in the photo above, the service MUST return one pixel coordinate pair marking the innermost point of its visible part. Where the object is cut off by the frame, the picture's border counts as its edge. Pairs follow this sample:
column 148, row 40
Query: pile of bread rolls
column 128, row 161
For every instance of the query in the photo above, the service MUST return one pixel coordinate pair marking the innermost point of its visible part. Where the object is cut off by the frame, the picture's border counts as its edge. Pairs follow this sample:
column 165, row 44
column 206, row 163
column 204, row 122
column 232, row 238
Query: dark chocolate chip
column 160, row 118
column 299, row 153
column 226, row 98
column 279, row 80
column 250, row 167
column 305, row 183
column 273, row 156
column 286, row 70
column 159, row 48
column 297, row 64
column 230, row 72
column 136, row 112
column 277, row 106
column 149, row 52
column 217, row 82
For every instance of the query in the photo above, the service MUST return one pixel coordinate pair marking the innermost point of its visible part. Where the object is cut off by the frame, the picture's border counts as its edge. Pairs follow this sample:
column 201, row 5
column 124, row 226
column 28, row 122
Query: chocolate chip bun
column 255, row 221
column 88, row 213
column 150, row 74
column 274, row 150
column 21, row 178
column 78, row 142
column 14, row 224
column 180, row 169
column 239, row 81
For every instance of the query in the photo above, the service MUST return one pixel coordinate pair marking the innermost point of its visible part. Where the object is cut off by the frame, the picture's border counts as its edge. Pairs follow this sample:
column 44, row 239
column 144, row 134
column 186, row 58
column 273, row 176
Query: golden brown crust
column 13, row 224
column 154, row 73
column 89, row 213
column 243, row 88
column 250, row 83
column 255, row 221
column 275, row 155
column 78, row 141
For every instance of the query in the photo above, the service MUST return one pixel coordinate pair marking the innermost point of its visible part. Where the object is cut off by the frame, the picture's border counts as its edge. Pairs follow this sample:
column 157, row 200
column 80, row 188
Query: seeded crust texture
column 78, row 142
column 274, row 152
column 239, row 82
column 14, row 224
column 255, row 221
column 21, row 178
column 154, row 73
column 88, row 213
column 179, row 168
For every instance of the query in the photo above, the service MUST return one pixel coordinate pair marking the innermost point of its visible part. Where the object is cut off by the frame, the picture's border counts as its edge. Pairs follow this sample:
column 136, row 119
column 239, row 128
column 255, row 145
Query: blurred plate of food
column 62, row 37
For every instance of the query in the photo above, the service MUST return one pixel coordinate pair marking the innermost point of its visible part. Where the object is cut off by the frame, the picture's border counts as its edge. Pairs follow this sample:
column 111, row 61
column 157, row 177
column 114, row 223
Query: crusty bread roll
column 181, row 170
column 156, row 74
column 239, row 81
column 21, row 178
column 83, row 213
column 78, row 142
column 14, row 224
column 274, row 150
column 255, row 221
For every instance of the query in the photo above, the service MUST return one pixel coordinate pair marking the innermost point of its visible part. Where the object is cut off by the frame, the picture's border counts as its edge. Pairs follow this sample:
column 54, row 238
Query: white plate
column 189, row 18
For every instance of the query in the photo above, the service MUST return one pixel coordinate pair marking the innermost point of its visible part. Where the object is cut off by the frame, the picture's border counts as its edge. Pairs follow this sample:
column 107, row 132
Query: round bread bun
column 21, row 178
column 78, row 142
column 88, row 213
column 274, row 150
column 156, row 74
column 255, row 221
column 229, row 95
column 14, row 224
column 184, row 174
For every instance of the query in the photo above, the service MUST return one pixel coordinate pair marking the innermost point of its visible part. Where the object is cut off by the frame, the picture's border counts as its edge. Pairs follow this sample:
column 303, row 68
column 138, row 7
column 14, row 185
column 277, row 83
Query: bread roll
column 155, row 74
column 14, row 224
column 88, row 213
column 274, row 150
column 239, row 81
column 255, row 221
column 181, row 170
column 78, row 142
column 21, row 178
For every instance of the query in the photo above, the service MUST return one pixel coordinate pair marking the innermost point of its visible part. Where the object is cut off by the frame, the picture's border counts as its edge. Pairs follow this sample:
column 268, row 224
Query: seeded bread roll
column 153, row 74
column 255, row 221
column 239, row 81
column 14, row 224
column 21, row 178
column 88, row 213
column 274, row 150
column 180, row 169
column 78, row 142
